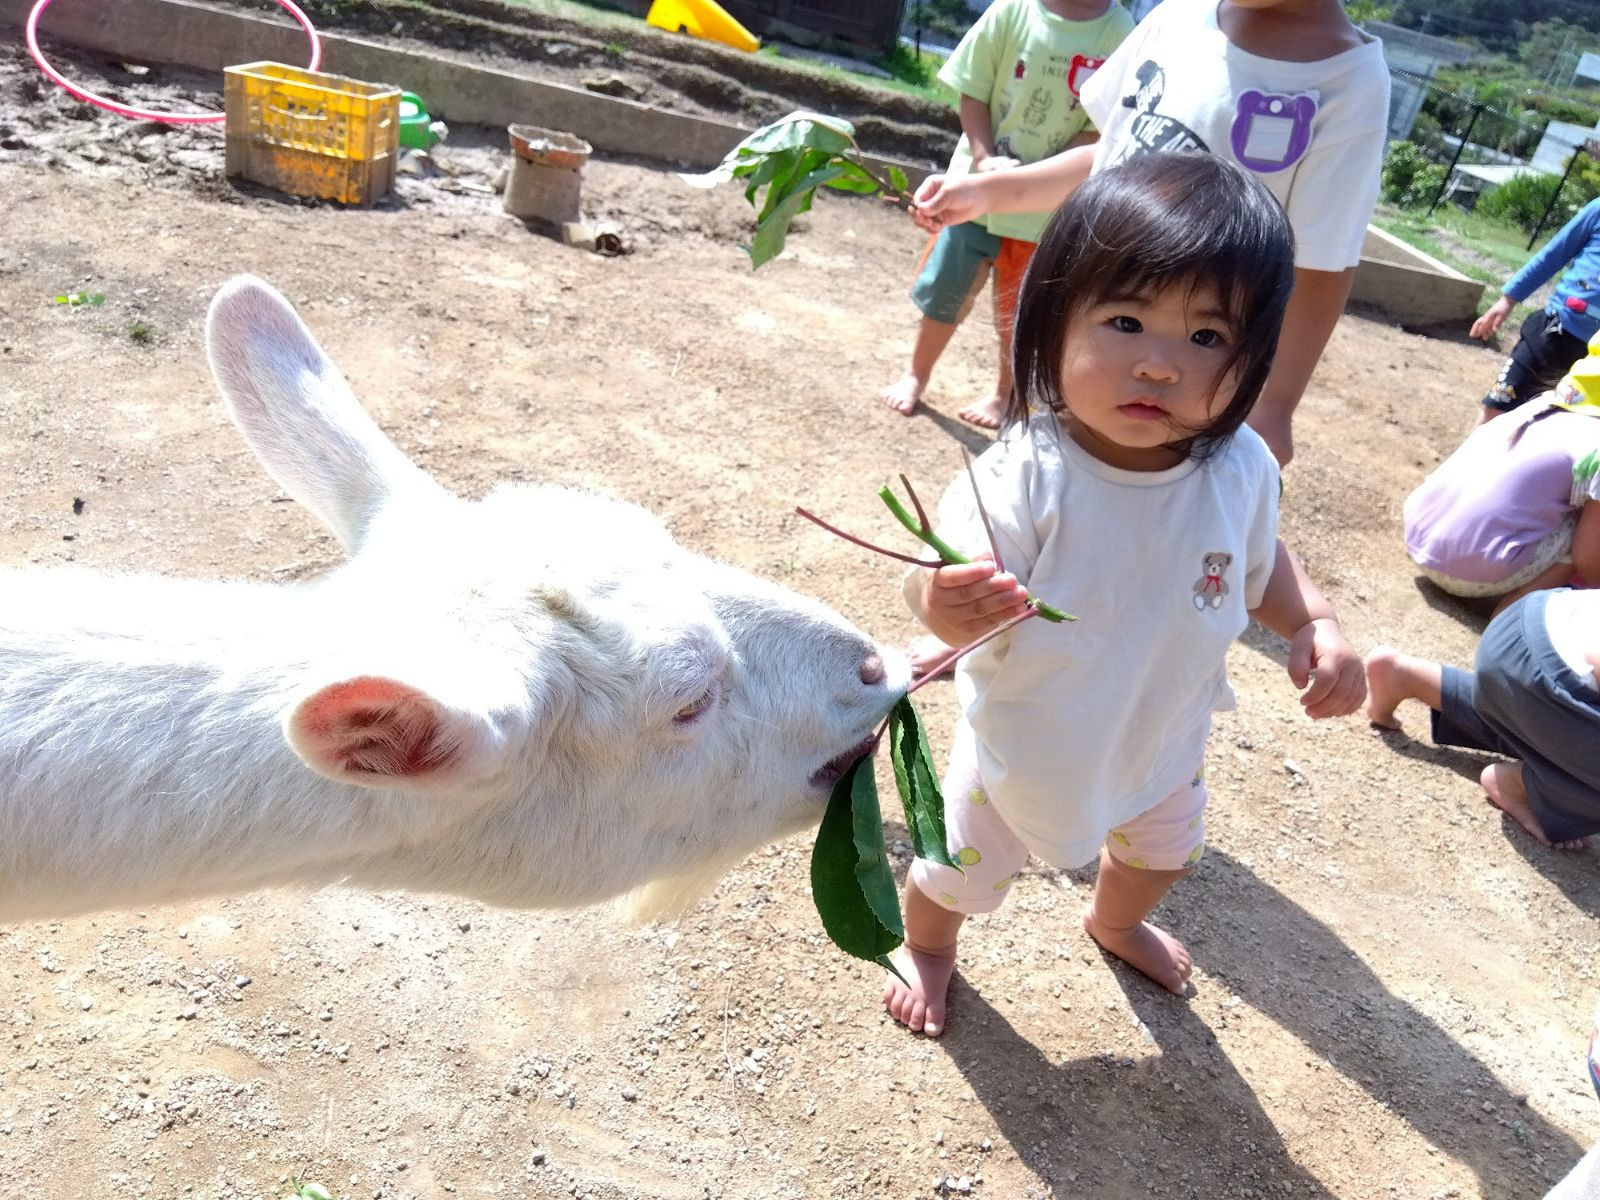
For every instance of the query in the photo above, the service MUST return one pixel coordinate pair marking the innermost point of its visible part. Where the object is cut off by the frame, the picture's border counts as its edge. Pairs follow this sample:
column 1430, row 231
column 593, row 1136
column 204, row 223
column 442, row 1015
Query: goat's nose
column 872, row 670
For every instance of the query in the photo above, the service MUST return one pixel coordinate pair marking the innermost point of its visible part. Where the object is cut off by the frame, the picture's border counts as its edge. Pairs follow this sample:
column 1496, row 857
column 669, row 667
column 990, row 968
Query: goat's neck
column 142, row 753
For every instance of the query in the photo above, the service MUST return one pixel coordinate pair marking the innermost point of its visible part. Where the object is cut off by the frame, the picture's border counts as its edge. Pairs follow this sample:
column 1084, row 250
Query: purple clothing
column 1480, row 514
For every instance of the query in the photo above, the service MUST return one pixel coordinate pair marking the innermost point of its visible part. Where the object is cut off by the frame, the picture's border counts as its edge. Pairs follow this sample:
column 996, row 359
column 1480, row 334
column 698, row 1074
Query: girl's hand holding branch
column 963, row 601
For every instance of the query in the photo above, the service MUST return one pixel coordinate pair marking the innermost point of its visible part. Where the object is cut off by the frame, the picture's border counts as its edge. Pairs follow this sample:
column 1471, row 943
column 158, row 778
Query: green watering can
column 417, row 128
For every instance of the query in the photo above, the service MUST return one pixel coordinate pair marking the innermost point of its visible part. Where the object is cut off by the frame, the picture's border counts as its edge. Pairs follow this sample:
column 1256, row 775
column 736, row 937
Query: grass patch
column 1480, row 248
column 1475, row 246
column 918, row 71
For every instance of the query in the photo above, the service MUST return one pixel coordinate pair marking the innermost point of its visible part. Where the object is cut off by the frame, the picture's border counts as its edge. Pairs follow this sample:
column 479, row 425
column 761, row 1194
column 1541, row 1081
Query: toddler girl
column 1128, row 492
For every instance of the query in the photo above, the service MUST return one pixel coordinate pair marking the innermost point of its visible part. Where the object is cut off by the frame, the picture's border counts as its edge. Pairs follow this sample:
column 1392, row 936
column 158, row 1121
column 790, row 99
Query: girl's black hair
column 1161, row 220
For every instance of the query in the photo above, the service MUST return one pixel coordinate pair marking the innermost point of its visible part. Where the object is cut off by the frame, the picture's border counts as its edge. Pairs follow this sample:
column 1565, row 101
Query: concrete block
column 187, row 34
column 1411, row 286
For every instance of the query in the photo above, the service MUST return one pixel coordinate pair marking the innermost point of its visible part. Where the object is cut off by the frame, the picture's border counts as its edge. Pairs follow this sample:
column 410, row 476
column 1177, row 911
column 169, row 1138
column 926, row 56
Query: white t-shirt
column 1572, row 621
column 1083, row 725
column 1313, row 132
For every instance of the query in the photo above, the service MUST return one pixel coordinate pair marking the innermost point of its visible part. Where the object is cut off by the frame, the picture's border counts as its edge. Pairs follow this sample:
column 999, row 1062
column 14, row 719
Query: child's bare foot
column 1502, row 784
column 986, row 413
column 903, row 395
column 1146, row 948
column 1384, row 687
column 918, row 1003
column 927, row 653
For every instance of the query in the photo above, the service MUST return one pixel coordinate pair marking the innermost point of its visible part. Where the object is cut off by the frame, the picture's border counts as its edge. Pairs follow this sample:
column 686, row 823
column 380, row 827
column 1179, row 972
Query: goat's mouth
column 830, row 772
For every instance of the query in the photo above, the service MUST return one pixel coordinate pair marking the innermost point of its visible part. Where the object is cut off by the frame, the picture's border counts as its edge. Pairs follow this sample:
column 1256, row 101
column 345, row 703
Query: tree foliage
column 1410, row 179
column 1501, row 26
column 948, row 19
column 1550, row 42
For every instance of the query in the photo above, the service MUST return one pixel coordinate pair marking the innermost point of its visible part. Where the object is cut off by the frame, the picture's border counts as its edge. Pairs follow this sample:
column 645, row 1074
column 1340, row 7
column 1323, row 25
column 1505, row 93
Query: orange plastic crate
column 310, row 133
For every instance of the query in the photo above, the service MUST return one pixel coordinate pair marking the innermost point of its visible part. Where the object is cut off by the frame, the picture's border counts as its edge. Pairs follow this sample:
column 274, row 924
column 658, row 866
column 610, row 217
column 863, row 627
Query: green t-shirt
column 1027, row 65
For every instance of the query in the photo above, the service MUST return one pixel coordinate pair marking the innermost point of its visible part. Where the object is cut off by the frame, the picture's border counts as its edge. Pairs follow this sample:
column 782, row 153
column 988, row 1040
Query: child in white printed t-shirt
column 1129, row 493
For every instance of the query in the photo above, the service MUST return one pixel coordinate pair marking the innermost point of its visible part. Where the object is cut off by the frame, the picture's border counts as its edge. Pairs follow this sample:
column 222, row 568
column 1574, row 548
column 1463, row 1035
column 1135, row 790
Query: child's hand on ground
column 1326, row 669
column 963, row 601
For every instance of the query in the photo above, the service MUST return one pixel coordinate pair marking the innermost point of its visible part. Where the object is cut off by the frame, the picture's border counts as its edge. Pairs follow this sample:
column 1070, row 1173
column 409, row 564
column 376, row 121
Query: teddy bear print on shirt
column 1211, row 587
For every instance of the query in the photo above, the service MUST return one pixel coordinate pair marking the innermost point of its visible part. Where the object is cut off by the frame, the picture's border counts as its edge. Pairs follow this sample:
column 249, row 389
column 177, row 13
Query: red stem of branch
column 916, row 503
column 866, row 545
column 933, row 672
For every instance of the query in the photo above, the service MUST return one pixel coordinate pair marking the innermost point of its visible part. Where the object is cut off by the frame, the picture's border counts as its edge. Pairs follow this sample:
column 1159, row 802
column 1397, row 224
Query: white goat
column 536, row 699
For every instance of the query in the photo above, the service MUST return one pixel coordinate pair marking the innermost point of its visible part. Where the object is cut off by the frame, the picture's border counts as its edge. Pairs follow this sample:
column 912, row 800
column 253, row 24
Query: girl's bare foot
column 927, row 653
column 986, row 413
column 903, row 395
column 1502, row 784
column 1146, row 948
column 918, row 1001
column 1385, row 687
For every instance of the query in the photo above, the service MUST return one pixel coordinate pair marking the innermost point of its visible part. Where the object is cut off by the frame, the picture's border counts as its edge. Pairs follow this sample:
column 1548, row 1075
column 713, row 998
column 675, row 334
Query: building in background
column 1413, row 59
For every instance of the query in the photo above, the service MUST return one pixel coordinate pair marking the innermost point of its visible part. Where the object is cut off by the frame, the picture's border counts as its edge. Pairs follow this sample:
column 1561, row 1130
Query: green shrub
column 1410, row 179
column 1523, row 200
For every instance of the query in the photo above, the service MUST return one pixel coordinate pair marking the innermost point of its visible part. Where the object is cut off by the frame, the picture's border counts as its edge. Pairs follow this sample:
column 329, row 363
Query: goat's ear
column 299, row 415
column 378, row 732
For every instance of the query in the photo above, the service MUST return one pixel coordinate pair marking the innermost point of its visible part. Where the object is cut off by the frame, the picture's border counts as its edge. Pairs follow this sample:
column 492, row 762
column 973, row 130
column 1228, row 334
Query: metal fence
column 1481, row 146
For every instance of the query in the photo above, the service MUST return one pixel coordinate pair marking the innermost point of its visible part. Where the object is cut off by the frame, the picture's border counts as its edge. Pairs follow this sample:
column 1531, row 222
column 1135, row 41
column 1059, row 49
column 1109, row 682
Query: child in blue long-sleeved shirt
column 1557, row 336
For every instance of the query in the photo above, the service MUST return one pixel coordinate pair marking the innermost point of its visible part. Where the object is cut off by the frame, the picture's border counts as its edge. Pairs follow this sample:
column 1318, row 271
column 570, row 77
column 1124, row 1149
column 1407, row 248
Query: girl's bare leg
column 1123, row 897
column 1393, row 677
column 927, row 960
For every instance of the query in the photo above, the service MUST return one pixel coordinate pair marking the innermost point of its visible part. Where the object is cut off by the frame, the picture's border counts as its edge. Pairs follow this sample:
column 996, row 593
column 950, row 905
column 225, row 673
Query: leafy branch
column 852, row 884
column 791, row 158
column 922, row 528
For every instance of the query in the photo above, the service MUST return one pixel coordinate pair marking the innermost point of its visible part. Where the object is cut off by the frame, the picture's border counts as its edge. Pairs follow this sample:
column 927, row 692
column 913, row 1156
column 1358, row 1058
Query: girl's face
column 1141, row 376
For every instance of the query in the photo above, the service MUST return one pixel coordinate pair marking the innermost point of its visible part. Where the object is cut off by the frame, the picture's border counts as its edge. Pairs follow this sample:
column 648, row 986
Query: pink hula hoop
column 145, row 114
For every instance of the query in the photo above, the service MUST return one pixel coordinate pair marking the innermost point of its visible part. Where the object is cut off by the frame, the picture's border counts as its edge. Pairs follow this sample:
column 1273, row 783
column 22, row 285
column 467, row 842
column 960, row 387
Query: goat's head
column 548, row 664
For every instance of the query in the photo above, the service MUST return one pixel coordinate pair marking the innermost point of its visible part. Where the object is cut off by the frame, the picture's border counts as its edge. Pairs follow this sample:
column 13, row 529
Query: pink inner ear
column 370, row 726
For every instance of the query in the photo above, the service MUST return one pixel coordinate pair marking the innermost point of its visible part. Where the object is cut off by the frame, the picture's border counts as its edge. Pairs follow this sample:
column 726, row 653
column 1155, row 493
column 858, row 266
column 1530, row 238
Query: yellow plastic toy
column 702, row 19
column 1579, row 389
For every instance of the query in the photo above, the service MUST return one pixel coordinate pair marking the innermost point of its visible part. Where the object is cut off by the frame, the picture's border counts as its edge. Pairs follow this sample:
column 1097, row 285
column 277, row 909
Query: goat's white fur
column 495, row 699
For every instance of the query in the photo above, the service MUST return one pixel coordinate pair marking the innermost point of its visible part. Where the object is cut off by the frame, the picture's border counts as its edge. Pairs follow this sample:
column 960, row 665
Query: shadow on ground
column 1189, row 1118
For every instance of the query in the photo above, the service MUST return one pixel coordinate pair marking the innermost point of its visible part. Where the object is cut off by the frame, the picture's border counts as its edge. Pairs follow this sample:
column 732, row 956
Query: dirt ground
column 1394, row 986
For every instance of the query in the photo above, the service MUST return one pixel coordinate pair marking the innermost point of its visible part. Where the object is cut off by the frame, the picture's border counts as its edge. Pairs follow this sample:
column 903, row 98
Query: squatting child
column 1533, row 696
column 1129, row 492
column 1516, row 507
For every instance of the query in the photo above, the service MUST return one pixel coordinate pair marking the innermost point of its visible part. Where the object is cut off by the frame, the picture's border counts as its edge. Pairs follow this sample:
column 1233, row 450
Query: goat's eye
column 696, row 708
